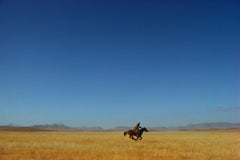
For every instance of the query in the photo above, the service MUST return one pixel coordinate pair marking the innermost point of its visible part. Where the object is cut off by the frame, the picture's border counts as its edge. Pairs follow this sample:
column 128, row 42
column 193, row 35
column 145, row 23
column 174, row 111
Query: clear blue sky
column 108, row 63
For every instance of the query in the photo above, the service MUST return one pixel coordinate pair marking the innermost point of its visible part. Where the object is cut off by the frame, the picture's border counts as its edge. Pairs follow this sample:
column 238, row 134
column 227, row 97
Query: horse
column 131, row 133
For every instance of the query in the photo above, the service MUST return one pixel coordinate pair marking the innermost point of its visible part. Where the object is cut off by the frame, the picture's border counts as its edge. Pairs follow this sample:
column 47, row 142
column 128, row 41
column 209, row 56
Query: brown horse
column 131, row 133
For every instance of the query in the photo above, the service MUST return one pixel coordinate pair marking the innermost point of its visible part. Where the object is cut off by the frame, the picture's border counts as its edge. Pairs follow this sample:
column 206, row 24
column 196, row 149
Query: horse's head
column 145, row 129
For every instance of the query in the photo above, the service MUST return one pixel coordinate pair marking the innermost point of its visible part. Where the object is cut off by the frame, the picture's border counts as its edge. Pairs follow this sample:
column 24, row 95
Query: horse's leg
column 135, row 138
column 130, row 136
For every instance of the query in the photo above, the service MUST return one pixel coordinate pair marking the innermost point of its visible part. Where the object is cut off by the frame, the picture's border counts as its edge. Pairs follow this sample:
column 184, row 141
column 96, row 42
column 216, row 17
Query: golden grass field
column 112, row 145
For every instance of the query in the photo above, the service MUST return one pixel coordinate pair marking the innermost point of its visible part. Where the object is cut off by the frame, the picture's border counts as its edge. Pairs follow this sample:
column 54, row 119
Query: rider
column 136, row 128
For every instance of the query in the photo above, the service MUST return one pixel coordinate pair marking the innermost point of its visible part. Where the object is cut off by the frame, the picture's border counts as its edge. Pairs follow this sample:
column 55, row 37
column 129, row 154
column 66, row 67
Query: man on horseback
column 136, row 128
column 137, row 131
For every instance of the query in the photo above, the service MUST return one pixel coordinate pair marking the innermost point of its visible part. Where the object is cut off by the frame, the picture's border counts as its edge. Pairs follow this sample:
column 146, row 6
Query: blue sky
column 107, row 63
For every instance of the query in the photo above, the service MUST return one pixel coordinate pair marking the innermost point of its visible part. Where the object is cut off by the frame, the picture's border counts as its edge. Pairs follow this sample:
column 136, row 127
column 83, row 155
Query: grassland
column 168, row 145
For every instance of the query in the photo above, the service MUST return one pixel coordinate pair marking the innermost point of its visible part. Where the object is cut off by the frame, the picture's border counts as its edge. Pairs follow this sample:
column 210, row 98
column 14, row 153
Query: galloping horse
column 131, row 133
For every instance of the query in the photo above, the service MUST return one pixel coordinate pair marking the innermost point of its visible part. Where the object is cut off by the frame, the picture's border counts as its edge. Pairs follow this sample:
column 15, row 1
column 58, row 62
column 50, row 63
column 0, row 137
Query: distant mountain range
column 52, row 127
column 62, row 127
column 215, row 125
column 210, row 125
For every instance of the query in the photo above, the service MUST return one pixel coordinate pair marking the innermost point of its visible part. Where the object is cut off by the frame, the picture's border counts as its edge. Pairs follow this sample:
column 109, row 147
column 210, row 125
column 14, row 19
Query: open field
column 167, row 145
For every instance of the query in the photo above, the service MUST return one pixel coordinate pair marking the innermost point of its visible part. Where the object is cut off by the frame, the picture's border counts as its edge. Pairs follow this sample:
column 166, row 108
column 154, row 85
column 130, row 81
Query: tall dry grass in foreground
column 171, row 145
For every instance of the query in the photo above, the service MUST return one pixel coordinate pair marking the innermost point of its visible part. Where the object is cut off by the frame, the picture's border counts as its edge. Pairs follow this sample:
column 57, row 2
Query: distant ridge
column 208, row 125
column 121, row 128
column 22, row 129
column 95, row 128
column 62, row 127
column 48, row 127
column 214, row 125
column 56, row 126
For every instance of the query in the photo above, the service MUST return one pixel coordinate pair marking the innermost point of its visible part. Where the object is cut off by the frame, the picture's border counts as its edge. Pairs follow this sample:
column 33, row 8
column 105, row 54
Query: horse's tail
column 125, row 133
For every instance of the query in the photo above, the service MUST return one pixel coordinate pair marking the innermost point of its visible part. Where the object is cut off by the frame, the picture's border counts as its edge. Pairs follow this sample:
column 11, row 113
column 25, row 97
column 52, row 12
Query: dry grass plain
column 112, row 145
